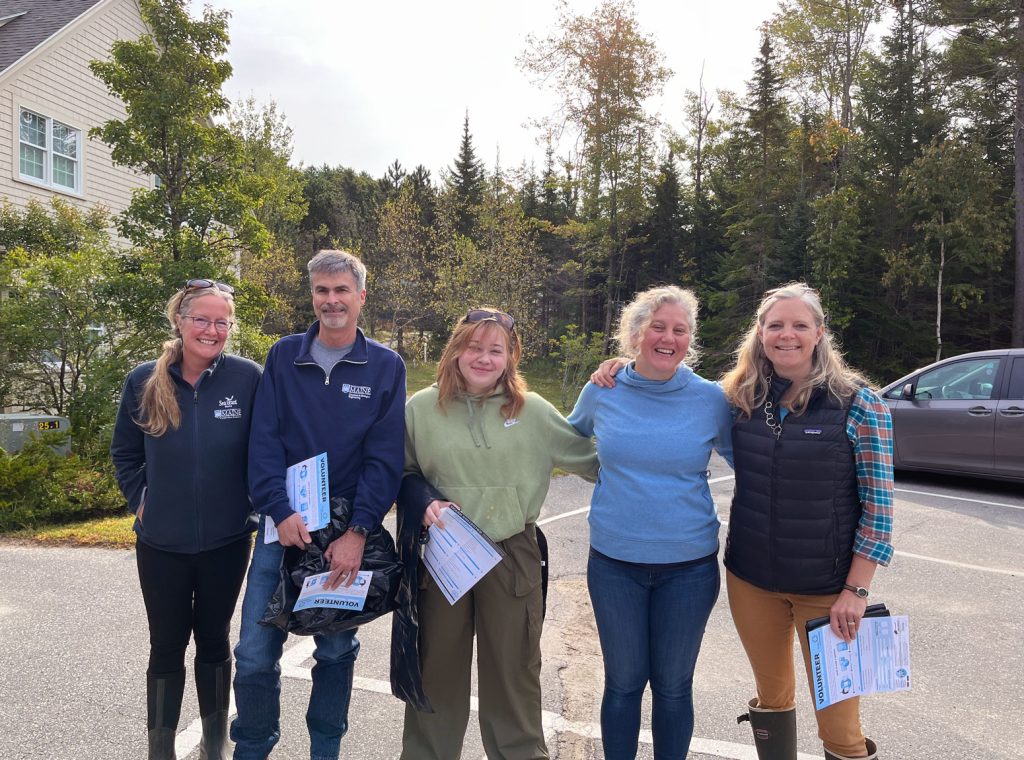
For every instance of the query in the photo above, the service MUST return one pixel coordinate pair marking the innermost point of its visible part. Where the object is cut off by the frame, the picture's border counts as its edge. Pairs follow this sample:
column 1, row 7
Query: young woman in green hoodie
column 481, row 439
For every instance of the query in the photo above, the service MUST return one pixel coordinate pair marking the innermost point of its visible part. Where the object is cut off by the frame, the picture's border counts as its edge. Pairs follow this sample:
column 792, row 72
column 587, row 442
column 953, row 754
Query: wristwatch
column 858, row 590
column 360, row 530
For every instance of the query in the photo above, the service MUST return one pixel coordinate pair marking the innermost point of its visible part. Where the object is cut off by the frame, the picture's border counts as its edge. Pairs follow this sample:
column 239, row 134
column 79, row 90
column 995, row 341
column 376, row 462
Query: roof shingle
column 41, row 20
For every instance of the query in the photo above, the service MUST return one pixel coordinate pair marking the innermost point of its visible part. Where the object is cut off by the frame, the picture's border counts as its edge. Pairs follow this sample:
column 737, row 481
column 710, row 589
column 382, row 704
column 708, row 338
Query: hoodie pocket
column 494, row 509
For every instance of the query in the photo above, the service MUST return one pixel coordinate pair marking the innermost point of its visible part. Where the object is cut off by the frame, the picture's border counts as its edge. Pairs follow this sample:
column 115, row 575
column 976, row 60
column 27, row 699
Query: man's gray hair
column 337, row 262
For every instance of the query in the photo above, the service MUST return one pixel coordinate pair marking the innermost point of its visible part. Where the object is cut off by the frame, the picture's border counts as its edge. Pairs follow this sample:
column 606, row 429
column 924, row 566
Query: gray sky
column 364, row 83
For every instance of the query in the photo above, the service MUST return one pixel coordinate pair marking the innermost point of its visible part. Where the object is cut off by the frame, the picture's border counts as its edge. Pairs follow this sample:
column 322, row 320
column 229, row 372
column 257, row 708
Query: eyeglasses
column 202, row 323
column 487, row 315
column 202, row 283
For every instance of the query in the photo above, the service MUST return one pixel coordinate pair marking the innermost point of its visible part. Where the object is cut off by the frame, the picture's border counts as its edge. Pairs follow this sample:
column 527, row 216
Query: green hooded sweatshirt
column 496, row 470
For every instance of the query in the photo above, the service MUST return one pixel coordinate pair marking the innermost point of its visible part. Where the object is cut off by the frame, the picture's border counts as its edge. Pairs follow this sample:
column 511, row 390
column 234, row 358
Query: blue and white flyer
column 877, row 660
column 314, row 594
column 458, row 555
column 308, row 493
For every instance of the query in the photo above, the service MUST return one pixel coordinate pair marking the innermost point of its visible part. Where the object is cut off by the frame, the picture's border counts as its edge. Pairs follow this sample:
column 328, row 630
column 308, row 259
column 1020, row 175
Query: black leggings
column 186, row 593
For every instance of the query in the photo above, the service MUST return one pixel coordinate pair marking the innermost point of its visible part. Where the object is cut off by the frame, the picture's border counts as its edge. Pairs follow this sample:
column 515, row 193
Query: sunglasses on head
column 201, row 283
column 487, row 315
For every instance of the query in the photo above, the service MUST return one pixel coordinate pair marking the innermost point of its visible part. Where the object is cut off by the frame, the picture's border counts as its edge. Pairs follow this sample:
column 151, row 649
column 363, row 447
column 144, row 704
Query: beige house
column 49, row 100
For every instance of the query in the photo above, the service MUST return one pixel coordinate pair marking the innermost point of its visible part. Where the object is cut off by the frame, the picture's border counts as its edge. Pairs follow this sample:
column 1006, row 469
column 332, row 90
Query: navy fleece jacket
column 356, row 413
column 193, row 479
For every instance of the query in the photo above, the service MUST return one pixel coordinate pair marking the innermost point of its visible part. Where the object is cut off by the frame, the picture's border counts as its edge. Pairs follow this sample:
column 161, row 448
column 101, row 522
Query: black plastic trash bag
column 379, row 556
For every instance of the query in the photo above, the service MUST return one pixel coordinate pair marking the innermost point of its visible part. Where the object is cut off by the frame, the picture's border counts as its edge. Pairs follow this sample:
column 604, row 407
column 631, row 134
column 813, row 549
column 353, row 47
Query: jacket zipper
column 327, row 375
column 196, row 466
column 772, row 554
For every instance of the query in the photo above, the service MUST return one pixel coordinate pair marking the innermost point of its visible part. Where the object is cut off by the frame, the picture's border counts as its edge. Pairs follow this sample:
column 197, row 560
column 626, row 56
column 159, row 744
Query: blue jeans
column 257, row 728
column 650, row 621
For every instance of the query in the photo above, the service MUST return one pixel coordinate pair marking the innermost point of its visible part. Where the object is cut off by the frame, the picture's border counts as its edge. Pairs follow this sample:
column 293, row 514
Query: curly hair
column 640, row 313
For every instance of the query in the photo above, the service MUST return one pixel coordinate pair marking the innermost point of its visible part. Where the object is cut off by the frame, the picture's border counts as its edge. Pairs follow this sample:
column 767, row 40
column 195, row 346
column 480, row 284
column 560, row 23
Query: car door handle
column 1012, row 411
column 979, row 411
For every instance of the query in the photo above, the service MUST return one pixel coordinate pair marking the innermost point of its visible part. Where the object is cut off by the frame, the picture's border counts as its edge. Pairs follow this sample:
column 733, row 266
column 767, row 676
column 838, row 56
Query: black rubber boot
column 872, row 750
column 774, row 731
column 163, row 708
column 213, row 686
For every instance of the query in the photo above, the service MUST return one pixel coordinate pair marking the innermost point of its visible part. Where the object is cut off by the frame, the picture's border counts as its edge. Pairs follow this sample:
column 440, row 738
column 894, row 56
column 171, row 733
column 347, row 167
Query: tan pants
column 765, row 622
column 505, row 611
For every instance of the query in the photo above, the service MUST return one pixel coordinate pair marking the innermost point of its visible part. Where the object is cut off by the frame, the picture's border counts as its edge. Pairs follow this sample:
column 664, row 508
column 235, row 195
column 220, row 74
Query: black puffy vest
column 796, row 508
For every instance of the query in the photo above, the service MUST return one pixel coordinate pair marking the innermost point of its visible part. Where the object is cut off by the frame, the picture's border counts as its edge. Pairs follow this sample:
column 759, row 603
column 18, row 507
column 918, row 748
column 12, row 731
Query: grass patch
column 107, row 532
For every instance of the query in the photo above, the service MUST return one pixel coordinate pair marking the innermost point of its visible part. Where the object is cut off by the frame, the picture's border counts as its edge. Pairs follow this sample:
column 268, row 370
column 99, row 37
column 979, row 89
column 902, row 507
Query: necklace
column 769, row 415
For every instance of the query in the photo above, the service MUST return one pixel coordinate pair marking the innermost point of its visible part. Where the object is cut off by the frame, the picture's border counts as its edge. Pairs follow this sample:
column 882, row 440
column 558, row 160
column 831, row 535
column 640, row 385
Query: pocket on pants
column 520, row 570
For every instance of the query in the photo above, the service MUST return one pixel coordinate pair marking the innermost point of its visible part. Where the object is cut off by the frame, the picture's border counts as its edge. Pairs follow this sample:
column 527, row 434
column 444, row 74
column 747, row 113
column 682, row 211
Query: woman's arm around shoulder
column 570, row 449
column 582, row 415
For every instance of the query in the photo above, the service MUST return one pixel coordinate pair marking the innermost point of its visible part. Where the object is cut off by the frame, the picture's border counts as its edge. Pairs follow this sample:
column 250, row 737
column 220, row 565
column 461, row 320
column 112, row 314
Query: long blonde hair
column 747, row 383
column 158, row 408
column 450, row 382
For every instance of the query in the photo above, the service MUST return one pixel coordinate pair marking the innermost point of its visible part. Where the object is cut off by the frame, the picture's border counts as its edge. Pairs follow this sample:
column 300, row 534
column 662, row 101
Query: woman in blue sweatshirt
column 653, row 568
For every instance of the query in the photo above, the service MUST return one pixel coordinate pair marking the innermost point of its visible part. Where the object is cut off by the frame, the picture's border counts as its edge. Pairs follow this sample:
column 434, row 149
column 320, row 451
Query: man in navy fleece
column 331, row 390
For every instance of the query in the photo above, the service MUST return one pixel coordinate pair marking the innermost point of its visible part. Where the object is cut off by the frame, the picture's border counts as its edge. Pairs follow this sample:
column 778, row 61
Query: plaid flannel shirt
column 869, row 428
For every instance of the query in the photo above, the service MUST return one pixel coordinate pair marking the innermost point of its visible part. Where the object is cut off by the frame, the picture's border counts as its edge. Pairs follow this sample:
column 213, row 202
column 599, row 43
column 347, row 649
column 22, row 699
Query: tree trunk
column 938, row 288
column 1017, row 337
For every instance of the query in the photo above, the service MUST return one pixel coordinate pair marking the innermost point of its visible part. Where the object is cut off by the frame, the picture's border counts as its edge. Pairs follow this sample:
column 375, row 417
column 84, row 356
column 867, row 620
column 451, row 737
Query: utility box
column 16, row 430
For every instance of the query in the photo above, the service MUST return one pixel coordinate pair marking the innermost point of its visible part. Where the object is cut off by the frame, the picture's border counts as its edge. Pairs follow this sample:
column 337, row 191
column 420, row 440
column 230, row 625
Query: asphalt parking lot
column 74, row 646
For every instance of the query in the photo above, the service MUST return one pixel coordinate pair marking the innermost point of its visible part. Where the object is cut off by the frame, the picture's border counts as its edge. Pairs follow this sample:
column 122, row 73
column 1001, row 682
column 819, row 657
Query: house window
column 50, row 152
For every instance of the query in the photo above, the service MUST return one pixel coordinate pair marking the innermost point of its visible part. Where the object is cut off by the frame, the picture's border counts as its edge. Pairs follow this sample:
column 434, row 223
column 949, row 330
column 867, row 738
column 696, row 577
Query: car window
column 969, row 379
column 1016, row 390
column 895, row 393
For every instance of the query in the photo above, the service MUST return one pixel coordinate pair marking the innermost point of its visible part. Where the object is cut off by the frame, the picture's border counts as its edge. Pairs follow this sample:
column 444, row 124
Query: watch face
column 862, row 592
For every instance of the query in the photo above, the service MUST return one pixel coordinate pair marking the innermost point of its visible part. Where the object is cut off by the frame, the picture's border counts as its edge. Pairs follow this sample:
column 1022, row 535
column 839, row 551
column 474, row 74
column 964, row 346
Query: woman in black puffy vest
column 811, row 518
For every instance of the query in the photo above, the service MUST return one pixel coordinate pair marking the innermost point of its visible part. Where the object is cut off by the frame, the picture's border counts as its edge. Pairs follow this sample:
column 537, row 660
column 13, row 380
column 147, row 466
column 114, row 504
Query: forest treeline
column 873, row 153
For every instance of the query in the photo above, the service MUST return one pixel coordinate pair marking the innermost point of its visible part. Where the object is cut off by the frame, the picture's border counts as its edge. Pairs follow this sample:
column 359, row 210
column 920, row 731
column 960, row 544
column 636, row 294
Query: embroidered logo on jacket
column 227, row 402
column 356, row 391
column 228, row 414
column 812, row 431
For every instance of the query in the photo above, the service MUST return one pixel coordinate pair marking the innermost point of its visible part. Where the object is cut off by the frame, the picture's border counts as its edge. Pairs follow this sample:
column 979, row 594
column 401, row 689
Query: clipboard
column 877, row 660
column 873, row 611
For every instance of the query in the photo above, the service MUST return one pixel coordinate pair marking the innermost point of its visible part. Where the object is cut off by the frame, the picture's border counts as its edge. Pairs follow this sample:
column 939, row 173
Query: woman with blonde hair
column 653, row 567
column 811, row 516
column 478, row 437
column 180, row 450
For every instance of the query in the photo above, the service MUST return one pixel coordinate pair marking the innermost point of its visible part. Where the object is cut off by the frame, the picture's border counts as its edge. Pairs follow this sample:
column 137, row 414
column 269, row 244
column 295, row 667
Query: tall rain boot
column 163, row 707
column 871, row 748
column 213, row 685
column 774, row 731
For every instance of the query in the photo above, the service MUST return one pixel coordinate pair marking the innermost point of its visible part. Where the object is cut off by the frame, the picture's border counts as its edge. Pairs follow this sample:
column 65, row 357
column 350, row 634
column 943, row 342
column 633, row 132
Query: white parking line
column 966, row 566
column 302, row 650
column 960, row 498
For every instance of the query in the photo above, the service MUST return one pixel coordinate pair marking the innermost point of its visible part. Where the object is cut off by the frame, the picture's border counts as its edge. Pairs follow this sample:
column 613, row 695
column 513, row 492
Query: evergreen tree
column 758, row 217
column 466, row 179
column 658, row 255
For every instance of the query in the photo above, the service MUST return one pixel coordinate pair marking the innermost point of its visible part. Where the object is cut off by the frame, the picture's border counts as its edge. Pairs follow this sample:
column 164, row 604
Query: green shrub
column 578, row 355
column 39, row 486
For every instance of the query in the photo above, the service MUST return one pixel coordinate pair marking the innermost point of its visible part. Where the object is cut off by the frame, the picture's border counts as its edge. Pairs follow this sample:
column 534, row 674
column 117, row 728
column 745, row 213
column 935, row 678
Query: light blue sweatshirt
column 652, row 503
